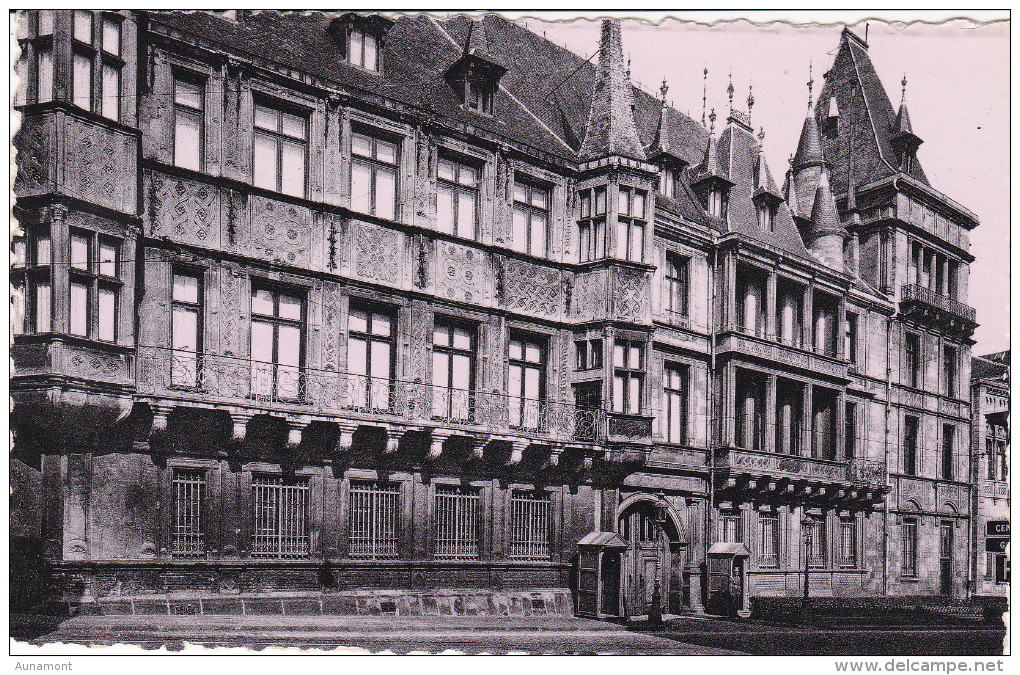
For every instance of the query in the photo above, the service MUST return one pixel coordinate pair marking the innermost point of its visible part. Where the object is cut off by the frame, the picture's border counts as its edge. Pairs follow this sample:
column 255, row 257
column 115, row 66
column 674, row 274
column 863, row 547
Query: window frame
column 197, row 307
column 848, row 557
column 851, row 343
column 628, row 223
column 375, row 496
column 911, row 430
column 530, row 211
column 282, row 489
column 279, row 137
column 908, row 547
column 361, row 61
column 450, row 325
column 276, row 321
column 182, row 110
column 678, row 284
column 374, row 165
column 682, row 393
column 950, row 370
column 815, row 544
column 518, row 400
column 31, row 274
column 193, row 528
column 912, row 359
column 371, row 339
column 525, row 504
column 591, row 225
column 947, row 454
column 769, row 522
column 458, row 496
column 589, row 354
column 456, row 187
column 96, row 283
column 850, row 429
column 625, row 373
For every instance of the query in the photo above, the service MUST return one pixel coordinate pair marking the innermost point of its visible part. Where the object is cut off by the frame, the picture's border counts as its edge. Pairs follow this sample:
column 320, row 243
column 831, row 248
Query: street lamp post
column 805, row 603
column 655, row 611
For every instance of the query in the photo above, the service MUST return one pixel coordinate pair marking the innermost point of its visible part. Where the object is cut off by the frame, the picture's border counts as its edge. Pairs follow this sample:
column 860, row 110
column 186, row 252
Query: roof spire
column 704, row 95
column 903, row 89
column 750, row 100
column 711, row 119
column 810, row 83
column 663, row 90
column 729, row 91
column 611, row 129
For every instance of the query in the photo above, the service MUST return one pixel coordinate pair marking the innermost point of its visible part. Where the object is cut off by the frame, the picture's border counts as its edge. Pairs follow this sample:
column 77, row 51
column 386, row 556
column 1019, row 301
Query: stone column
column 772, row 419
column 808, row 422
column 771, row 315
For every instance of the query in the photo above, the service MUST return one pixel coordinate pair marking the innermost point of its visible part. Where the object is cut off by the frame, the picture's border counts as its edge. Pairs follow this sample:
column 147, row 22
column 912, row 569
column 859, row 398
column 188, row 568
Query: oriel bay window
column 371, row 357
column 526, row 381
column 457, row 510
column 186, row 328
column 675, row 390
column 453, row 368
column 375, row 519
column 628, row 376
column 592, row 224
column 458, row 184
column 750, row 407
column 95, row 285
column 630, row 225
column 189, row 121
column 374, row 164
column 33, row 280
column 530, row 219
column 277, row 321
column 280, row 149
column 280, row 527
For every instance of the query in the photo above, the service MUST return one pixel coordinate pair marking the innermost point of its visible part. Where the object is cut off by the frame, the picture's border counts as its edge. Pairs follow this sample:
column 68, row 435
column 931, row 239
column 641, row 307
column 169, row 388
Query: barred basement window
column 281, row 518
column 815, row 543
column 189, row 495
column 529, row 525
column 848, row 543
column 909, row 547
column 457, row 515
column 375, row 519
column 768, row 554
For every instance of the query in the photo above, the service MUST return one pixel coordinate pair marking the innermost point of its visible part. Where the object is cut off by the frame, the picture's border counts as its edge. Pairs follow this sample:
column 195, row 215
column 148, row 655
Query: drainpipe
column 888, row 412
column 710, row 503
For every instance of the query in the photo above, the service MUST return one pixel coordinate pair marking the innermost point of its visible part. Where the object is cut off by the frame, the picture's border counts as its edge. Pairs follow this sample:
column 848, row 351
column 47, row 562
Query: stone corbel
column 158, row 434
column 438, row 441
column 295, row 428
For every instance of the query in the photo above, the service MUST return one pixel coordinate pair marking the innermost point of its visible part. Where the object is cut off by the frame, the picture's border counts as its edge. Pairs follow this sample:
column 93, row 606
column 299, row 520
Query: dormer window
column 360, row 37
column 766, row 213
column 478, row 95
column 475, row 75
column 717, row 202
column 669, row 181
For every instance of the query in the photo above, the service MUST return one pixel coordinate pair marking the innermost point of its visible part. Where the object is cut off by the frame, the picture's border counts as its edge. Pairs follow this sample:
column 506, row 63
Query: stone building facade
column 989, row 404
column 336, row 301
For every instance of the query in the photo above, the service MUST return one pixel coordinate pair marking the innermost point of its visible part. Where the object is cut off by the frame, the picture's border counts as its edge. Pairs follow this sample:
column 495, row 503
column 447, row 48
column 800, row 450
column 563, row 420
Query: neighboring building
column 989, row 405
column 423, row 303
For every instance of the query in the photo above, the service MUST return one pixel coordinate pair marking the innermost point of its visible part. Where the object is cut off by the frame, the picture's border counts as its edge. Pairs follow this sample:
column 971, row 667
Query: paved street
column 472, row 635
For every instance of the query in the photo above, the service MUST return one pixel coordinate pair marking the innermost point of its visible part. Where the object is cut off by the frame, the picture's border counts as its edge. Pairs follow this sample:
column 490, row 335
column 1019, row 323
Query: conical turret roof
column 809, row 149
column 824, row 217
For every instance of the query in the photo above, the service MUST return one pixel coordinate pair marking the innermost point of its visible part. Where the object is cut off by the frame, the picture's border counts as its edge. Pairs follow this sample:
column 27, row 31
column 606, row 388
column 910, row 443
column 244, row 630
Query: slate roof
column 989, row 368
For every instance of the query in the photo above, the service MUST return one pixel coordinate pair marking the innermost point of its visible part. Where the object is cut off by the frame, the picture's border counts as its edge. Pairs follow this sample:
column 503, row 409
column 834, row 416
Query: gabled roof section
column 862, row 102
column 611, row 130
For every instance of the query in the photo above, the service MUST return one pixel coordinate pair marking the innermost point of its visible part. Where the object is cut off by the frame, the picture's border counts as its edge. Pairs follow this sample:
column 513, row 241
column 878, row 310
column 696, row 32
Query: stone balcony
column 741, row 342
column 939, row 310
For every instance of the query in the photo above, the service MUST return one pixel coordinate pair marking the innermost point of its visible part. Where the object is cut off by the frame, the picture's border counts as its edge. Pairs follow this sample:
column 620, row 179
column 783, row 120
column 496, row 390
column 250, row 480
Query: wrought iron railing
column 917, row 293
column 163, row 371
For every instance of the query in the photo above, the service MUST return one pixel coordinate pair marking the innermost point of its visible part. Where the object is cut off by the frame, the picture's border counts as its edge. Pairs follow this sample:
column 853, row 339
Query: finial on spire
column 663, row 90
column 704, row 95
column 903, row 90
column 750, row 99
column 761, row 135
column 810, row 83
column 628, row 66
column 729, row 90
column 711, row 119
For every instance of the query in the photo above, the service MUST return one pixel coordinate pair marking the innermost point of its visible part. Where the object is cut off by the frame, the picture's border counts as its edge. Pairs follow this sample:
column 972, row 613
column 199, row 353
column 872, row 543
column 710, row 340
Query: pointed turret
column 806, row 167
column 611, row 129
column 708, row 180
column 903, row 139
column 826, row 234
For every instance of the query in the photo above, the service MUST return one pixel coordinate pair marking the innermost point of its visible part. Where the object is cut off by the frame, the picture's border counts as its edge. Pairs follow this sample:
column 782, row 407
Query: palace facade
column 312, row 301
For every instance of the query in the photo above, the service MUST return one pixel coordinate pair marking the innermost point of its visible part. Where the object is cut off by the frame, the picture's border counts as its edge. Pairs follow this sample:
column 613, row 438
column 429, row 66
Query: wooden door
column 647, row 561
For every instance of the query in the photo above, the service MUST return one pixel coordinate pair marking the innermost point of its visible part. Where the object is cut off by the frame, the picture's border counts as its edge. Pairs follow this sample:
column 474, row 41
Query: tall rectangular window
column 824, row 423
column 789, row 417
column 826, row 311
column 186, row 328
column 31, row 276
column 374, row 164
column 948, row 451
column 529, row 525
column 675, row 391
column 850, row 430
column 189, row 122
column 457, row 192
column 530, row 219
column 111, row 66
column 371, row 358
column 453, row 368
column 768, row 549
column 949, row 370
column 95, row 285
column 83, row 26
column 789, row 324
column 677, row 285
column 526, row 381
column 750, row 302
column 750, row 408
column 457, row 516
column 910, row 445
column 44, row 72
column 850, row 338
column 592, row 224
column 186, row 537
column 630, row 225
column 909, row 547
column 280, row 150
column 363, row 49
column 375, row 520
column 277, row 330
column 589, row 354
column 280, row 519
column 912, row 360
column 847, row 542
column 814, row 542
column 81, row 79
column 731, row 527
column 991, row 458
column 628, row 376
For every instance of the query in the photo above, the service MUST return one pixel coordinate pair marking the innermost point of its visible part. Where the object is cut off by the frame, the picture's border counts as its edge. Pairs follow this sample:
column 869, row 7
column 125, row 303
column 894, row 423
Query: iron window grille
column 457, row 522
column 374, row 168
column 731, row 527
column 187, row 537
column 909, row 547
column 375, row 520
column 529, row 525
column 768, row 554
column 847, row 543
column 816, row 544
column 280, row 518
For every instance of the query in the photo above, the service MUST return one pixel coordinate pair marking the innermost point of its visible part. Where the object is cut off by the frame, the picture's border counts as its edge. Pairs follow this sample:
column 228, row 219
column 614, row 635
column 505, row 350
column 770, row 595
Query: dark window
column 479, row 93
column 453, row 368
column 850, row 430
column 280, row 150
column 909, row 547
column 847, row 542
column 765, row 210
column 589, row 354
column 948, row 451
column 189, row 122
column 630, row 225
column 375, row 519
column 526, row 381
column 949, row 370
column 186, row 328
column 912, row 359
column 592, row 224
column 910, row 445
column 675, row 390
column 669, row 182
column 95, row 285
column 677, row 285
column 458, row 188
column 718, row 199
column 750, row 422
column 814, row 541
column 530, row 219
column 824, row 427
column 768, row 550
column 374, row 164
column 789, row 417
column 277, row 333
column 371, row 358
column 850, row 338
column 628, row 376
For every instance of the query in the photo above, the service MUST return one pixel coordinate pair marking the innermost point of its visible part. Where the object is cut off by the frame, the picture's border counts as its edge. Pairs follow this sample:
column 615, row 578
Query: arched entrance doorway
column 656, row 555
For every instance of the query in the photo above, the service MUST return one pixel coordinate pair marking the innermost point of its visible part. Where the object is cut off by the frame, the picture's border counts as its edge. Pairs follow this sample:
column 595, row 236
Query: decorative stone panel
column 184, row 211
column 374, row 253
column 919, row 491
column 34, row 142
column 99, row 165
column 280, row 232
column 589, row 296
column 631, row 294
column 462, row 274
column 531, row 289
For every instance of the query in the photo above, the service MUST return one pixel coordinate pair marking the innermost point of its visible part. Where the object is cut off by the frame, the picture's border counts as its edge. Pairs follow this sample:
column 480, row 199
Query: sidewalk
column 474, row 634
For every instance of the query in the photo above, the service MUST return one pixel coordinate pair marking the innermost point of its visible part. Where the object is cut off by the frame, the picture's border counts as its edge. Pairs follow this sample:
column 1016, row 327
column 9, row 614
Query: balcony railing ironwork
column 167, row 372
column 926, row 296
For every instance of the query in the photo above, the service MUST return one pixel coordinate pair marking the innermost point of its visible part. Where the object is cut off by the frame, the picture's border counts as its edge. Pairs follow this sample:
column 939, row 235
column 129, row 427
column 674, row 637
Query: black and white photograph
column 572, row 332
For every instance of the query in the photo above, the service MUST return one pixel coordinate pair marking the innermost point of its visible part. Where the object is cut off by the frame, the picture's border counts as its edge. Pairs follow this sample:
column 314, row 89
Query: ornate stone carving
column 99, row 165
column 631, row 297
column 589, row 296
column 33, row 143
column 234, row 312
column 331, row 327
column 374, row 253
column 280, row 231
column 96, row 365
column 530, row 288
column 184, row 210
column 461, row 274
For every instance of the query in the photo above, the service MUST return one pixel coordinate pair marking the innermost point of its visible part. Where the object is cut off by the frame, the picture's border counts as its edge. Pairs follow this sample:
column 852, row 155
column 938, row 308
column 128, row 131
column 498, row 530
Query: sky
column 957, row 91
